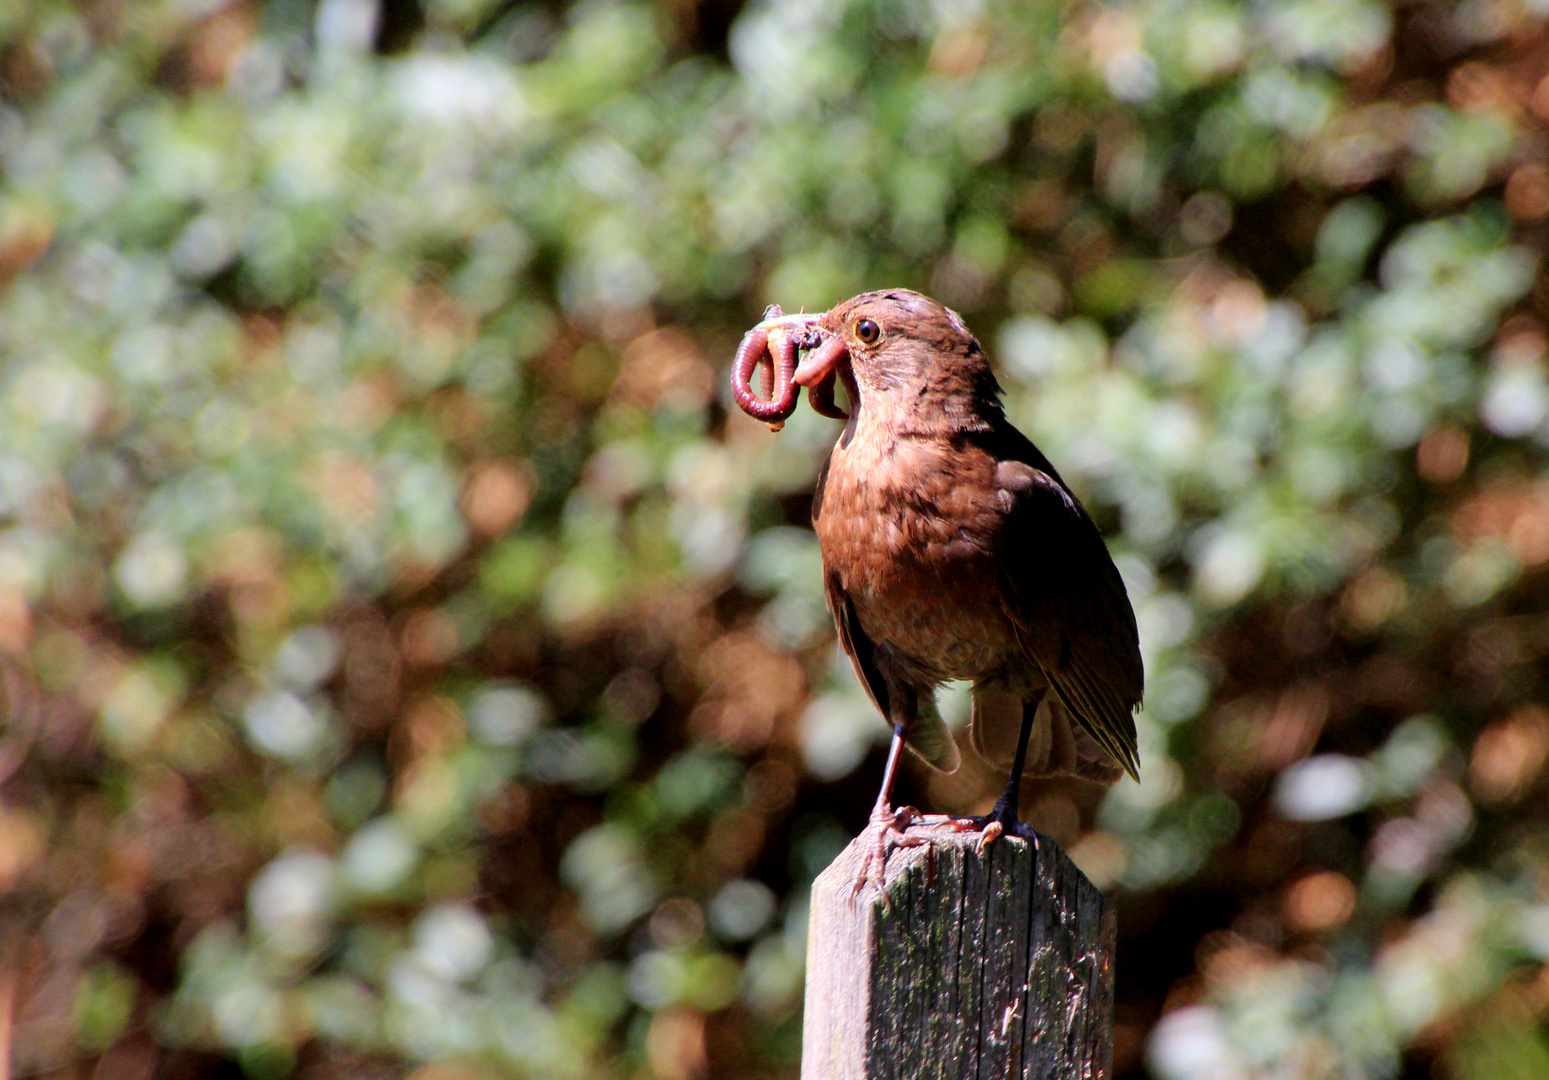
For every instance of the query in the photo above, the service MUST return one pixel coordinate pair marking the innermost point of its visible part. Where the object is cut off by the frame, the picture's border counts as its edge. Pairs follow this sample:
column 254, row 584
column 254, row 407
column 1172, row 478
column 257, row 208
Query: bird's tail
column 929, row 738
column 1058, row 745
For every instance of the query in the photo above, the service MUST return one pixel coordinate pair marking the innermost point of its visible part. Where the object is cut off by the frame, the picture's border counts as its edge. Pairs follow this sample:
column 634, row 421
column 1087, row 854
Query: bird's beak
column 818, row 364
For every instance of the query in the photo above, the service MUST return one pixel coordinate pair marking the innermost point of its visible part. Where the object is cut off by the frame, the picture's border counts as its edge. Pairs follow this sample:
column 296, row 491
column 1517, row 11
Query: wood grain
column 970, row 966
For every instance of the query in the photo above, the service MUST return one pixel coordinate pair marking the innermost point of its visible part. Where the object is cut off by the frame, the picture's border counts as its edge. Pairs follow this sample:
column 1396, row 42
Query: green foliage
column 411, row 659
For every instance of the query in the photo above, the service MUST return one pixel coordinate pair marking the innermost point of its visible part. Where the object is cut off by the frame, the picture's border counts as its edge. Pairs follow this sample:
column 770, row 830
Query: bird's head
column 900, row 355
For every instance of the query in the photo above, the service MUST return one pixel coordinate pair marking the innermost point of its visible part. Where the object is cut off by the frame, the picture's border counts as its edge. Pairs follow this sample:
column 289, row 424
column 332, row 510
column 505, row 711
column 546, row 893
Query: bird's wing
column 861, row 650
column 1067, row 601
column 925, row 732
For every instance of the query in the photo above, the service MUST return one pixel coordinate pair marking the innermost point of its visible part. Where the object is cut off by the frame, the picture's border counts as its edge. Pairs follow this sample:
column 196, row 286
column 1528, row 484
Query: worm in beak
column 772, row 345
column 819, row 373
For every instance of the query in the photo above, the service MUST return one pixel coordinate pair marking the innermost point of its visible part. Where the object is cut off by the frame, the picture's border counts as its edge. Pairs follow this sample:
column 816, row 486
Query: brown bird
column 952, row 549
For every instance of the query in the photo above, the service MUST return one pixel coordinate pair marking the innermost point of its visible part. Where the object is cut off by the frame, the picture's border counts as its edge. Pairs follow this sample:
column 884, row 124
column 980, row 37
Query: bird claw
column 993, row 829
column 887, row 829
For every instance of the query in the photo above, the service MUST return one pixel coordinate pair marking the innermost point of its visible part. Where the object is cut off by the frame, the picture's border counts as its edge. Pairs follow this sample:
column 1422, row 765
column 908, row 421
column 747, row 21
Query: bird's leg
column 1002, row 817
column 886, row 829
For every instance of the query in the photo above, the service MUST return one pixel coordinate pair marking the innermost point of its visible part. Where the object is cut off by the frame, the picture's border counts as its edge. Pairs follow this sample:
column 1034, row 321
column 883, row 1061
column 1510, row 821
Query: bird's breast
column 912, row 529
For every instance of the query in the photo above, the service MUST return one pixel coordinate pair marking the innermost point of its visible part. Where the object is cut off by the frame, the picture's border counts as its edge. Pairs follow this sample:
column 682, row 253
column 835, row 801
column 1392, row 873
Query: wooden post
column 994, row 965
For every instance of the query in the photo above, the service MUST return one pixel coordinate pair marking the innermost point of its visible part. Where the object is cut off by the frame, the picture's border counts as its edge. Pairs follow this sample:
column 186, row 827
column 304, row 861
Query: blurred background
column 410, row 666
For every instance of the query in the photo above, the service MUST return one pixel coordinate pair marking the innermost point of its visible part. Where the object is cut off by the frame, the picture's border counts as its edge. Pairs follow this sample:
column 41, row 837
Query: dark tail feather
column 929, row 738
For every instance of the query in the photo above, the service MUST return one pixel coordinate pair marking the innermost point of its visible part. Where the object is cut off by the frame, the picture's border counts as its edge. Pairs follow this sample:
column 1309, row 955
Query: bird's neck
column 944, row 404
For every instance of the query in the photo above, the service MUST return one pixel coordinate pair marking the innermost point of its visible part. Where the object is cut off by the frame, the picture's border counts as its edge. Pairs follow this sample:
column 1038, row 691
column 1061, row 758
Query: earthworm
column 774, row 350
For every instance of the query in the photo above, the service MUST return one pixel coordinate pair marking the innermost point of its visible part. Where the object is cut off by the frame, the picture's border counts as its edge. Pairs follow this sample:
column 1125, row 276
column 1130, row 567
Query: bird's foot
column 886, row 830
column 992, row 828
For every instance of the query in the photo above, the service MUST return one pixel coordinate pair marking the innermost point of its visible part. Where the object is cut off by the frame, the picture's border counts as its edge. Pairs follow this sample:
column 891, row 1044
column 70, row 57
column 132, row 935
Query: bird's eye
column 868, row 332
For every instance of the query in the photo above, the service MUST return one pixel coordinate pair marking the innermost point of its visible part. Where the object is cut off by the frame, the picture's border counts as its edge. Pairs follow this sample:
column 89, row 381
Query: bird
column 952, row 549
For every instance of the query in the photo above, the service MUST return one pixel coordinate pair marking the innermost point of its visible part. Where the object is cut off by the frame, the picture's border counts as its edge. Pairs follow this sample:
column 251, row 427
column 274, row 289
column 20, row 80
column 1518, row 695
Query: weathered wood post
column 994, row 965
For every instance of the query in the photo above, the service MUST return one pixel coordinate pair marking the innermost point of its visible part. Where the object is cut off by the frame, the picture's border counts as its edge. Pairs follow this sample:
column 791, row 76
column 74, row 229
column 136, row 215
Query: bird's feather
column 1057, row 745
column 930, row 738
column 1066, row 599
column 925, row 732
column 953, row 550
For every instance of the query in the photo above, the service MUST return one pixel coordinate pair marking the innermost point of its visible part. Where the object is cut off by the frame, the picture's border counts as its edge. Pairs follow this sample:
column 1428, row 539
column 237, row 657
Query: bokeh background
column 409, row 664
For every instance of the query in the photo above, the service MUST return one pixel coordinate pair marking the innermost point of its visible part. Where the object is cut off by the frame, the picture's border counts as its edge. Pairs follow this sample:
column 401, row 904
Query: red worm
column 779, row 400
column 821, row 395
